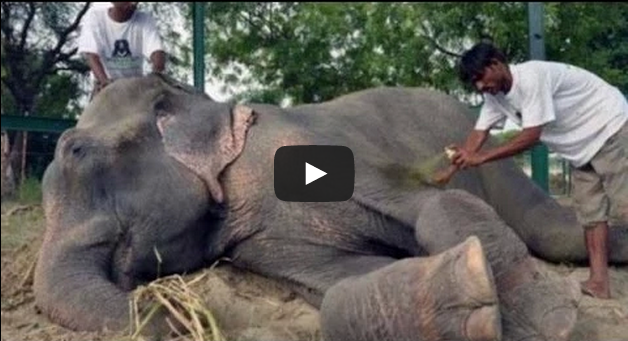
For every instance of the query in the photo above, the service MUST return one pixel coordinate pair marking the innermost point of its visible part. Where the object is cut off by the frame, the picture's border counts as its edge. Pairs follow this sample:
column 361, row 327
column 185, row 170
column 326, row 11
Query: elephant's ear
column 206, row 137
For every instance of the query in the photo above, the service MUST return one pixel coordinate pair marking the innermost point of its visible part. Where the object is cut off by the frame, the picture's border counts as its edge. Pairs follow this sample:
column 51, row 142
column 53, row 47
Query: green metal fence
column 34, row 123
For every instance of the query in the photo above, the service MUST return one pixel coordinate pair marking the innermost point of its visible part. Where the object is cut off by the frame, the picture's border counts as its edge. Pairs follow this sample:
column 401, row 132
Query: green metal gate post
column 540, row 167
column 199, row 44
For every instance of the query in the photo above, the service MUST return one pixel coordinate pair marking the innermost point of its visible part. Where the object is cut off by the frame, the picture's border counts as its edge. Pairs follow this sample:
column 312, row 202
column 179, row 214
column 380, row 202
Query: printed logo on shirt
column 122, row 63
column 121, row 48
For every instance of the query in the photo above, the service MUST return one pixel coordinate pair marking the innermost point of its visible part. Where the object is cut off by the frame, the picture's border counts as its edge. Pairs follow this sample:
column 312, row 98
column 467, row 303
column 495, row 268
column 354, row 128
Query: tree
column 591, row 35
column 311, row 52
column 176, row 37
column 37, row 41
column 40, row 64
column 42, row 73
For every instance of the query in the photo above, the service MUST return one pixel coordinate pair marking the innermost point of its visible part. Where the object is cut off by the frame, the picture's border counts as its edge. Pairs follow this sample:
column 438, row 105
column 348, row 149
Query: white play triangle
column 312, row 173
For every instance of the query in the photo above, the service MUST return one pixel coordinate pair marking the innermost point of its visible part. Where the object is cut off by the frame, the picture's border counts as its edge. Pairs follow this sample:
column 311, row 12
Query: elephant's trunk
column 72, row 285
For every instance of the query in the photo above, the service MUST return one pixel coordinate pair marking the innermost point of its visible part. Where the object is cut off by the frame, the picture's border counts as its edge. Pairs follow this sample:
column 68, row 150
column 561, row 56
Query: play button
column 314, row 173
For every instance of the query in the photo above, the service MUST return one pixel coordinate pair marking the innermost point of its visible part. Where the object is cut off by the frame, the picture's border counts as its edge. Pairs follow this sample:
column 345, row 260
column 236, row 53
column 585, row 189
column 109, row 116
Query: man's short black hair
column 474, row 61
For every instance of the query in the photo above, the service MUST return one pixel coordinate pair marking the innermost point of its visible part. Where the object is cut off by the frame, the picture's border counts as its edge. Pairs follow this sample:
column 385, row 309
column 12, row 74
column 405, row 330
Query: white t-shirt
column 122, row 47
column 578, row 109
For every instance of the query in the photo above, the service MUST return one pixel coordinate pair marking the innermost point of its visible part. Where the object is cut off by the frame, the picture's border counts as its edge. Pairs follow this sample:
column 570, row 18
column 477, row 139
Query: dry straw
column 181, row 302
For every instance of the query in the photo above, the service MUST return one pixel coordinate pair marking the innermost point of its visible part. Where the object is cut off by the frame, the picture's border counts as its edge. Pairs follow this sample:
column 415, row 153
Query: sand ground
column 246, row 306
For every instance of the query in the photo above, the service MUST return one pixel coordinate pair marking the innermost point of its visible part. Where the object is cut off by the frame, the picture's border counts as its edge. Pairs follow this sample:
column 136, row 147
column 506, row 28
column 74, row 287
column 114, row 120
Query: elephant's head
column 123, row 202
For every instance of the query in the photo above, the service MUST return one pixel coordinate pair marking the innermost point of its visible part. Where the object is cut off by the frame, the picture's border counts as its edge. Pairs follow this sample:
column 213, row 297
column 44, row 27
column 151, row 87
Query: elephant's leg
column 550, row 230
column 534, row 307
column 449, row 296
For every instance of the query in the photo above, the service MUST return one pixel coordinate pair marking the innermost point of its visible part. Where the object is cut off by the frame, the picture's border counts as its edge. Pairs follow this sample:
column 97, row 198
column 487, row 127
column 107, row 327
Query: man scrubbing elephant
column 577, row 115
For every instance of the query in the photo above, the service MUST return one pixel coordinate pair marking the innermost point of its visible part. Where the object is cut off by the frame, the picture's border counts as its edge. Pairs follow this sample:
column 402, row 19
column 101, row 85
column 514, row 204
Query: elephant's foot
column 535, row 308
column 479, row 293
column 449, row 296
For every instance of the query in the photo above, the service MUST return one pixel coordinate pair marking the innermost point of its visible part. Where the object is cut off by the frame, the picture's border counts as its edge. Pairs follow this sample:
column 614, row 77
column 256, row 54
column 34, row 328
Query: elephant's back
column 389, row 130
column 408, row 122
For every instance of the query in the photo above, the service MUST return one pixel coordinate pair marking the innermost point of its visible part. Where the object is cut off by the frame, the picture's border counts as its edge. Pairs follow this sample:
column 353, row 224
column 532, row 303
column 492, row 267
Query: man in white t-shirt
column 116, row 40
column 577, row 115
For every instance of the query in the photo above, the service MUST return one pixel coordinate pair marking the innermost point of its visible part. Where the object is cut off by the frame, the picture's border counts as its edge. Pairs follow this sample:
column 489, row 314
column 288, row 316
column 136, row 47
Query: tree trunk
column 19, row 150
column 8, row 180
column 15, row 154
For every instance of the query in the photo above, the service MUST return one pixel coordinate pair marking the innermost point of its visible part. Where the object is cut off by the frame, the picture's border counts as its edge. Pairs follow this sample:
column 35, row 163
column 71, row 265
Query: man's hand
column 464, row 158
column 443, row 176
column 158, row 59
column 101, row 84
column 99, row 72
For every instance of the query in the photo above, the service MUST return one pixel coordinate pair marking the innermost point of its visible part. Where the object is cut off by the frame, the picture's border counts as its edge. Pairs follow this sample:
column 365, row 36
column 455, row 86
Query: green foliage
column 59, row 97
column 591, row 35
column 4, row 71
column 41, row 68
column 311, row 52
column 177, row 43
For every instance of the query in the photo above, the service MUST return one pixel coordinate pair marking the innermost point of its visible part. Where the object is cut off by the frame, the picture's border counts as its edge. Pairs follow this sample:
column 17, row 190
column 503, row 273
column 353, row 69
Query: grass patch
column 29, row 192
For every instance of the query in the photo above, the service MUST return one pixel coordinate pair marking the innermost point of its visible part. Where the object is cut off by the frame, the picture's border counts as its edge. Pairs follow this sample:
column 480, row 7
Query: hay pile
column 183, row 304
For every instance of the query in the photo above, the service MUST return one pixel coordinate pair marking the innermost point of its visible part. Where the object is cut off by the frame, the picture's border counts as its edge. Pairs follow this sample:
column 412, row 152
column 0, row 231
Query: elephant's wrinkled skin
column 153, row 166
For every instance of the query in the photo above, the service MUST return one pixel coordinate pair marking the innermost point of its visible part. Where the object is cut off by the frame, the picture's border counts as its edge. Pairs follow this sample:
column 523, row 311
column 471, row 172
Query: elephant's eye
column 75, row 147
column 76, row 150
column 163, row 106
column 161, row 109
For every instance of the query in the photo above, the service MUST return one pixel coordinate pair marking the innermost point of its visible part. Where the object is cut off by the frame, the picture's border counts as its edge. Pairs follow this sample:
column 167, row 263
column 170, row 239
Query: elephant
column 155, row 165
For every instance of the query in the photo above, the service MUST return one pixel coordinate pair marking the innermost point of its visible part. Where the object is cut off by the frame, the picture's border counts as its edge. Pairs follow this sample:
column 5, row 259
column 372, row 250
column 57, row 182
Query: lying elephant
column 154, row 165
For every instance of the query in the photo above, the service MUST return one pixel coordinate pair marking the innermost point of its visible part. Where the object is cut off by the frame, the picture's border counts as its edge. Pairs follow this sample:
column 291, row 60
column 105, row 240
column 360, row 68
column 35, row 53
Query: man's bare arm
column 527, row 138
column 158, row 59
column 93, row 60
column 475, row 140
column 524, row 140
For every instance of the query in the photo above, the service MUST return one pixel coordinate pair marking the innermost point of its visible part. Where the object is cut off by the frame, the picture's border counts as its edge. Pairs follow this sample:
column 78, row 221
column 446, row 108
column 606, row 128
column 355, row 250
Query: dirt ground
column 245, row 306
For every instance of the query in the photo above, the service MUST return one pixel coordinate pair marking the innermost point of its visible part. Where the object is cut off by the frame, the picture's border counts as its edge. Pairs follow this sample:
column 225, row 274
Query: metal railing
column 35, row 123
